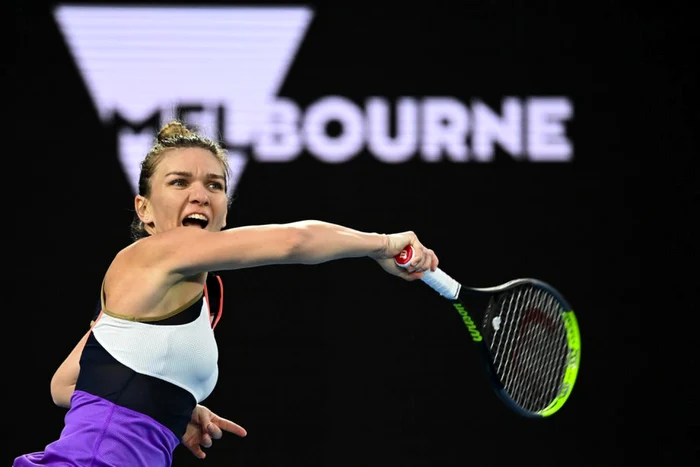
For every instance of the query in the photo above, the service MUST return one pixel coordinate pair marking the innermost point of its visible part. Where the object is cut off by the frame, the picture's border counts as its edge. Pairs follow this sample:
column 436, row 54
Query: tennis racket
column 527, row 334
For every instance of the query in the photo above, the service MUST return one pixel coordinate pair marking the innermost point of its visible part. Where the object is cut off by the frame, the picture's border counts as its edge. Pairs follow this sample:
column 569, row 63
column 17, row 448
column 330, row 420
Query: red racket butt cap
column 404, row 258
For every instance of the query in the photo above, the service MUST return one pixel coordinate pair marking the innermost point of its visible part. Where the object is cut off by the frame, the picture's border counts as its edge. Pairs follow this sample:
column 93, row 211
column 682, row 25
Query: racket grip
column 438, row 280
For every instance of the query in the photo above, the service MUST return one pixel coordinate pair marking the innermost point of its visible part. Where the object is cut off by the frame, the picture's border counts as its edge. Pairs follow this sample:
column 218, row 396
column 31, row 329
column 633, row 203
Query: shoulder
column 136, row 285
column 150, row 249
column 131, row 255
column 131, row 261
column 160, row 254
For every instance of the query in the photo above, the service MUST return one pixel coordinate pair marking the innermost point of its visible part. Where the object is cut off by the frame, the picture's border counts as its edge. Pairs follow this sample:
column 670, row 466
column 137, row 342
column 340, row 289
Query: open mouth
column 195, row 220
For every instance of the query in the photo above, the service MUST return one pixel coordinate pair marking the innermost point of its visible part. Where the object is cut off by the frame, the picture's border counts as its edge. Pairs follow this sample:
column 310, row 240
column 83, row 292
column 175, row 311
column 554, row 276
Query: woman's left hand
column 206, row 426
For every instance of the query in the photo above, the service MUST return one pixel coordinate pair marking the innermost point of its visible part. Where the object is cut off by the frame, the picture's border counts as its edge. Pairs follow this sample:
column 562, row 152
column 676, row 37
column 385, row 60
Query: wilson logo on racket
column 476, row 335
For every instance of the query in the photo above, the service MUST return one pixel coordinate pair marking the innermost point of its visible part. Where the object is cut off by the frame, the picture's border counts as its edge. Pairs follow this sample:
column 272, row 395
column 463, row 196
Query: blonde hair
column 173, row 135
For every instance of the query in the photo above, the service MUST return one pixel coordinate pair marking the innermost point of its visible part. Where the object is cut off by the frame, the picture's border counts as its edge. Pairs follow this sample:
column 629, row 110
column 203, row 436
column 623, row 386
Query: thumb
column 398, row 242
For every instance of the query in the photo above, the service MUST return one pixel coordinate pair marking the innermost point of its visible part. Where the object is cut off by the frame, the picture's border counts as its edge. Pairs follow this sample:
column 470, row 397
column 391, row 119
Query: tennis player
column 134, row 383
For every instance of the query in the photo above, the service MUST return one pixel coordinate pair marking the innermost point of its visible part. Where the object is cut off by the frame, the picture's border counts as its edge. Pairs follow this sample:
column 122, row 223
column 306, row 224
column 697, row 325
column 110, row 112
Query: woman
column 134, row 382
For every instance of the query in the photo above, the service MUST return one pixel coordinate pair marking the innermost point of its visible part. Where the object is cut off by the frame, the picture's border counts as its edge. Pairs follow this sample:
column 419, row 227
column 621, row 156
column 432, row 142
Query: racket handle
column 438, row 280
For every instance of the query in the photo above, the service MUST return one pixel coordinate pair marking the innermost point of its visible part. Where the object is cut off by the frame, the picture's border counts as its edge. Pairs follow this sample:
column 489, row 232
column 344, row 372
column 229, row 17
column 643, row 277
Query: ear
column 143, row 209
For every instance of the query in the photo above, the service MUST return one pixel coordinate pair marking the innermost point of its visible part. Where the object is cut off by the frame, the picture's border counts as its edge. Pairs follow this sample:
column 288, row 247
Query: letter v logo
column 137, row 60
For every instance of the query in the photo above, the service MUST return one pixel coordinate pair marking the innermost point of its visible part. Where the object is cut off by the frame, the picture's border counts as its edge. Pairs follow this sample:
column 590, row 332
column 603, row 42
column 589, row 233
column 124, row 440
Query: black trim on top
column 103, row 376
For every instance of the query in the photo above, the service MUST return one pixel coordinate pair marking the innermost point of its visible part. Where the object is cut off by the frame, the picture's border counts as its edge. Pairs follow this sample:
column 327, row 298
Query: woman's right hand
column 424, row 259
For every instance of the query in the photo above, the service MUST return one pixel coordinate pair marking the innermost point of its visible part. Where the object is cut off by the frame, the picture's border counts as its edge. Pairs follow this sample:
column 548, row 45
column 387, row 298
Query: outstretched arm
column 186, row 251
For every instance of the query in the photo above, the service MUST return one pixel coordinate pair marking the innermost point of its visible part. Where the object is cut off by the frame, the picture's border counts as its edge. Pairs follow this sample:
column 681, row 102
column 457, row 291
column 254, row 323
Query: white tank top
column 185, row 355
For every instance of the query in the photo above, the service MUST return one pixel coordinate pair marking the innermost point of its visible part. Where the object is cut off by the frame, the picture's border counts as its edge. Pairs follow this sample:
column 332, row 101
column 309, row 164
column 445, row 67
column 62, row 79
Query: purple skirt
column 99, row 433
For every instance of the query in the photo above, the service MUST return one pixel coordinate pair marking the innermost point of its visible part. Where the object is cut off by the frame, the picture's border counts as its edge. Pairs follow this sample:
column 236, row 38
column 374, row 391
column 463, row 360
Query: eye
column 216, row 186
column 178, row 182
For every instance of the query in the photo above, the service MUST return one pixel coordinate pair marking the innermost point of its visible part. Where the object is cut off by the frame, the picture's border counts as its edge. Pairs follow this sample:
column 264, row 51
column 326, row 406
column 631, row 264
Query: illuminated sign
column 220, row 68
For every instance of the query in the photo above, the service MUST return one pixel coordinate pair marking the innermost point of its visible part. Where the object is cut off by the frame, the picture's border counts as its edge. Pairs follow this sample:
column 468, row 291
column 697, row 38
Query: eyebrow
column 189, row 175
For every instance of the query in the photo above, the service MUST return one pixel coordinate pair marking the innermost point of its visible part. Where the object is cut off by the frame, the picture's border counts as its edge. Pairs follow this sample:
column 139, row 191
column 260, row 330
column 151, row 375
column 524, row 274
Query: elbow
column 60, row 394
column 55, row 397
column 55, row 393
column 60, row 402
column 297, row 243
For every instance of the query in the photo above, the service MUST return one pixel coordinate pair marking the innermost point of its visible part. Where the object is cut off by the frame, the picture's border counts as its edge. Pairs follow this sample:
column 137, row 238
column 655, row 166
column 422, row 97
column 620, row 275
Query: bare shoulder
column 130, row 259
column 133, row 286
column 154, row 250
column 165, row 246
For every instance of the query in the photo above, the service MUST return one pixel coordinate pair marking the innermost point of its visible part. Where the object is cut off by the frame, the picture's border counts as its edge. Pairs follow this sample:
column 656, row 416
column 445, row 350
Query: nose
column 198, row 194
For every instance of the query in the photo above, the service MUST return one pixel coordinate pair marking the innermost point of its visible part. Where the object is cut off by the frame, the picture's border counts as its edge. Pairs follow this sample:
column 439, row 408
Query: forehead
column 194, row 160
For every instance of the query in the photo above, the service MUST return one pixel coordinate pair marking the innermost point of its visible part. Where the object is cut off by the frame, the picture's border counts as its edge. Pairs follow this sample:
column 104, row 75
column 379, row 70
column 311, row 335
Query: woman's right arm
column 186, row 251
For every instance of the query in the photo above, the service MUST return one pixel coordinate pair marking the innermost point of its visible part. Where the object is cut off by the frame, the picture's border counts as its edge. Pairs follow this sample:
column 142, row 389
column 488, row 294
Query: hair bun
column 173, row 129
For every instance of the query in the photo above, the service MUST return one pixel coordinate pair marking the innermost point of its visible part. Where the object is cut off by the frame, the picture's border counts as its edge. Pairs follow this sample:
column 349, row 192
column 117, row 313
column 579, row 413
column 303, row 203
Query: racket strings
column 529, row 346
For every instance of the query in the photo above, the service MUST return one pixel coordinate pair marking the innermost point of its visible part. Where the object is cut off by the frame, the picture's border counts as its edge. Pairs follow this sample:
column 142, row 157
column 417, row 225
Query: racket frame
column 476, row 320
column 458, row 295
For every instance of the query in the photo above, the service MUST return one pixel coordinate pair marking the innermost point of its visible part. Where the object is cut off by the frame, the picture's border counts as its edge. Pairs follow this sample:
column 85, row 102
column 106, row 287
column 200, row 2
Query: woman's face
column 187, row 189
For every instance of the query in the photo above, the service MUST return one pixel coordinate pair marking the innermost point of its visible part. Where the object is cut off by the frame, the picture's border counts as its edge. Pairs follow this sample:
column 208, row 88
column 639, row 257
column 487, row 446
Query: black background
column 339, row 364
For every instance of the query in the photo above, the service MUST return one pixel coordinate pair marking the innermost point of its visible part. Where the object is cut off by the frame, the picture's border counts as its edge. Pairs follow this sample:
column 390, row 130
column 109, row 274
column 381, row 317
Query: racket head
column 531, row 341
